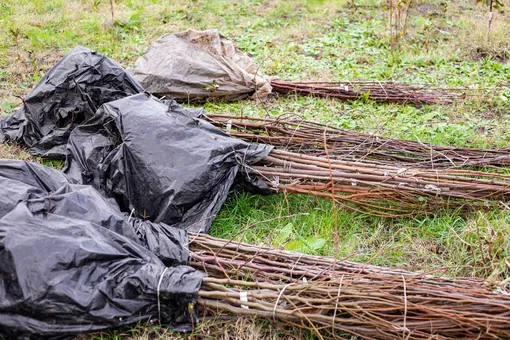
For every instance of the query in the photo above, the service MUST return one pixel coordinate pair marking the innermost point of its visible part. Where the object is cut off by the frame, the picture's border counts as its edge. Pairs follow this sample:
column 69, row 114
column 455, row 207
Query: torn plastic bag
column 69, row 94
column 160, row 163
column 195, row 66
column 69, row 268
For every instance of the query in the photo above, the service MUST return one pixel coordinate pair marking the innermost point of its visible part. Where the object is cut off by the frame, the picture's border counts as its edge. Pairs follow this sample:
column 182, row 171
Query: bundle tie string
column 157, row 293
column 279, row 296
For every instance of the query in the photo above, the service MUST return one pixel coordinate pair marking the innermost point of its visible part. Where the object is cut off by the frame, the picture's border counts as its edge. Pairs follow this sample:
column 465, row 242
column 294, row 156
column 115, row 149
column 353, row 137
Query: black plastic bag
column 71, row 263
column 47, row 191
column 69, row 94
column 158, row 161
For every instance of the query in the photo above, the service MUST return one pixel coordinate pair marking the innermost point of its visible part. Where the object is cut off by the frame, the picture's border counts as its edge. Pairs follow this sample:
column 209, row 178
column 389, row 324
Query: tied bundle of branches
column 333, row 297
column 311, row 138
column 377, row 91
column 383, row 190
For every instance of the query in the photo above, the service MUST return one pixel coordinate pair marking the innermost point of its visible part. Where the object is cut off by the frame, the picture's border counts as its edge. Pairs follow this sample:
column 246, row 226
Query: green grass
column 445, row 45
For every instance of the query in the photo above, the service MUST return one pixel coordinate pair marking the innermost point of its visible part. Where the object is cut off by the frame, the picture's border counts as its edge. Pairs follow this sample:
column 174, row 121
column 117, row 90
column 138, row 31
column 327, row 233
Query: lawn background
column 444, row 45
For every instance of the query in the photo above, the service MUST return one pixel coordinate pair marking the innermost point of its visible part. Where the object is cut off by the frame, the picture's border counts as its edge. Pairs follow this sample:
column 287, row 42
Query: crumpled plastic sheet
column 196, row 66
column 160, row 163
column 68, row 95
column 71, row 262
